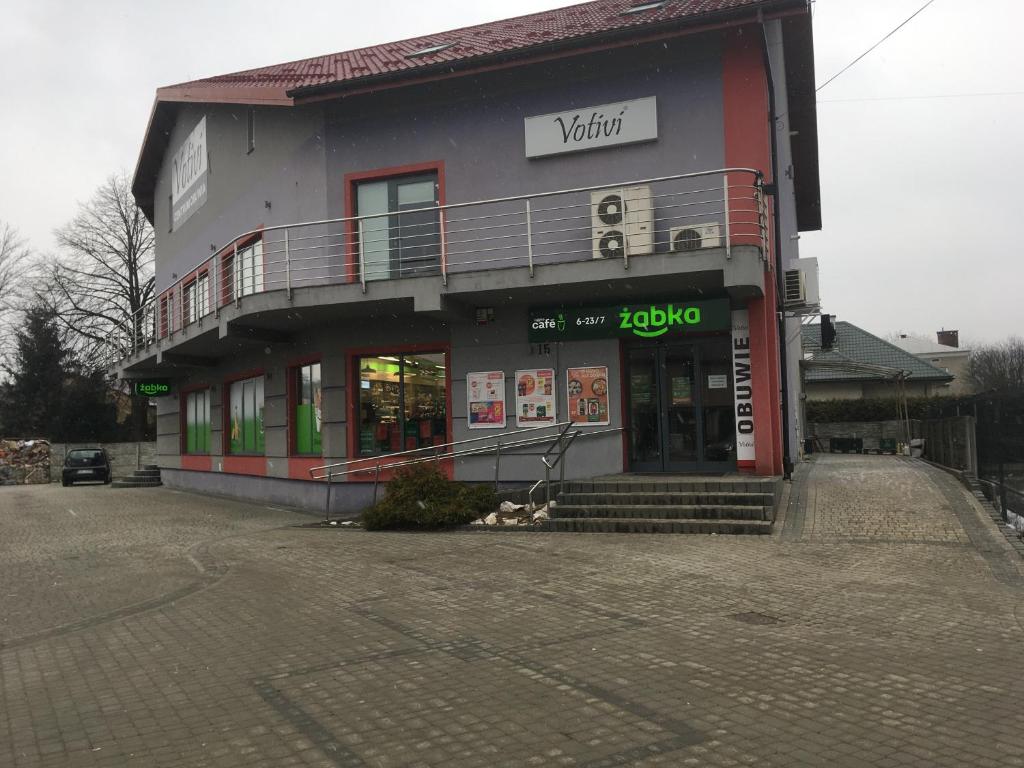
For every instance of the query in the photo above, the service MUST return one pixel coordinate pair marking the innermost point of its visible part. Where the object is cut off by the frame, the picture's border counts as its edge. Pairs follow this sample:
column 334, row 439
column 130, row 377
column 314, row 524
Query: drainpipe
column 787, row 464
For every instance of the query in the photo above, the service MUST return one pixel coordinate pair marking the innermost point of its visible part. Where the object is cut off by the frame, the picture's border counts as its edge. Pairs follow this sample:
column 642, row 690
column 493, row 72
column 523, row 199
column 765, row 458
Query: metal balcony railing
column 669, row 214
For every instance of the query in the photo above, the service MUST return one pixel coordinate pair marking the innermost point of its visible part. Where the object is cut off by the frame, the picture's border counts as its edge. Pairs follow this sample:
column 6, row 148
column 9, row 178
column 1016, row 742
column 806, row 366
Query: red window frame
column 293, row 399
column 352, row 404
column 183, row 394
column 226, row 264
column 225, row 416
column 379, row 174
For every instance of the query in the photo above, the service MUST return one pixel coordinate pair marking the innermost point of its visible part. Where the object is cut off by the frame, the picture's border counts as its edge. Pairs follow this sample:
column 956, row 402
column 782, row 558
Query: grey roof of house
column 855, row 345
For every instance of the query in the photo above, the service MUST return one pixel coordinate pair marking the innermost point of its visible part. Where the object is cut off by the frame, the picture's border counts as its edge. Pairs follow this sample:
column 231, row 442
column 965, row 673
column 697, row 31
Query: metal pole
column 547, row 484
column 234, row 273
column 376, row 481
column 287, row 266
column 497, row 465
column 327, row 505
column 625, row 234
column 725, row 201
column 561, row 463
column 529, row 236
column 444, row 251
column 362, row 258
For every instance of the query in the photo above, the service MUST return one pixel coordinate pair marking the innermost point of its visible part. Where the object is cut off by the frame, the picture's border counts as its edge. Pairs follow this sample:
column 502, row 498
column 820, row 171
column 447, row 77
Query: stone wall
column 124, row 457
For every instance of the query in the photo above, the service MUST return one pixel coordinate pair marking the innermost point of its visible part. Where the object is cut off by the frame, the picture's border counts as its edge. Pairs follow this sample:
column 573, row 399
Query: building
column 945, row 354
column 579, row 215
column 861, row 365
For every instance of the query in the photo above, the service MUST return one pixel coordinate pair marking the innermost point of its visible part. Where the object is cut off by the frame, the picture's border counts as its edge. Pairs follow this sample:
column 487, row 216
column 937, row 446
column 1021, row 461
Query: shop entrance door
column 680, row 408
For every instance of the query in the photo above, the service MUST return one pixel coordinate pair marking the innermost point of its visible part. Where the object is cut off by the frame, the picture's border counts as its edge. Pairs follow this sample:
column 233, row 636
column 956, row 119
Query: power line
column 869, row 50
column 919, row 98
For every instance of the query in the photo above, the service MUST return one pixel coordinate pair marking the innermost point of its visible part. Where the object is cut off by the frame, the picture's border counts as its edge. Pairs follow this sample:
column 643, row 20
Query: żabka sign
column 606, row 125
column 152, row 388
column 188, row 176
column 743, row 390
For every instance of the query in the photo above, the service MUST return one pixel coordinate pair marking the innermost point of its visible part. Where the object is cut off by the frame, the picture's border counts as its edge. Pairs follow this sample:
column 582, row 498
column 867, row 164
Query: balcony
column 708, row 229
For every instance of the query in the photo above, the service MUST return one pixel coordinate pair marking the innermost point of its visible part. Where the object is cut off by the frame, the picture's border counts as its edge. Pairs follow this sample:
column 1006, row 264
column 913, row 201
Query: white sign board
column 188, row 176
column 606, row 125
column 743, row 390
column 485, row 394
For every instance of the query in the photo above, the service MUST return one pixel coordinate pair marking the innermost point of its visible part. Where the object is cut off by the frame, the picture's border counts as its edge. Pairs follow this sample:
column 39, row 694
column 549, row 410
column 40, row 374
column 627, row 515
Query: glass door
column 680, row 408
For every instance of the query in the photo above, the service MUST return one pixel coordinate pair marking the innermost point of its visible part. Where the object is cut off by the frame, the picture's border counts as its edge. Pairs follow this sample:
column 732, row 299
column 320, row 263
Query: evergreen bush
column 421, row 497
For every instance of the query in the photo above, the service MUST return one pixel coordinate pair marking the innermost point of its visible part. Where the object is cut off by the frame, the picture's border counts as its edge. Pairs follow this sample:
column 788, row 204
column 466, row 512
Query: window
column 197, row 422
column 245, row 419
column 308, row 409
column 196, row 298
column 402, row 402
column 397, row 237
column 247, row 266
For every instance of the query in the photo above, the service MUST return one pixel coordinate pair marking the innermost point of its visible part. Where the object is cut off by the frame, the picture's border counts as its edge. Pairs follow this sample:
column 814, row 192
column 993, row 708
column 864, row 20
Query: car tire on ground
column 65, row 483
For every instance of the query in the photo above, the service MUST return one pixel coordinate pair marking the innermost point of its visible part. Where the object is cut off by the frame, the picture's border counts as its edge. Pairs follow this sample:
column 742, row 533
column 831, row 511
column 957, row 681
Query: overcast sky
column 920, row 196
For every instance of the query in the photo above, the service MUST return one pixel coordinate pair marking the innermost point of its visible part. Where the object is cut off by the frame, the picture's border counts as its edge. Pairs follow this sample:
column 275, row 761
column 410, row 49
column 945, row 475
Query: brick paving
column 880, row 626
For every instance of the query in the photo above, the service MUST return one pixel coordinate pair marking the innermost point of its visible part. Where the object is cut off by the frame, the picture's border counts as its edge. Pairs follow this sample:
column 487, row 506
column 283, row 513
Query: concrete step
column 136, row 482
column 663, row 512
column 634, row 525
column 671, row 485
column 146, row 473
column 669, row 498
column 151, row 466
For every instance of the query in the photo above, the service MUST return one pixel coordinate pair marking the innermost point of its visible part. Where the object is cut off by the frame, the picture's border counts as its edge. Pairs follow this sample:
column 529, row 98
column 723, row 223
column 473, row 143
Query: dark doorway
column 680, row 407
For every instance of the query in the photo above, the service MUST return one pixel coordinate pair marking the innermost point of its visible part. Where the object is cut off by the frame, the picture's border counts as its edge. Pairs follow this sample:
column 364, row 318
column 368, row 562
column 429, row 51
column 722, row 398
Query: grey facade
column 293, row 191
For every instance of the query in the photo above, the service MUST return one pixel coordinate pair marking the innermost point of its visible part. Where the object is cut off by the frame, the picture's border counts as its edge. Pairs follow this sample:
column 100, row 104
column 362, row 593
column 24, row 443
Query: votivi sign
column 151, row 387
column 188, row 176
column 606, row 125
column 652, row 320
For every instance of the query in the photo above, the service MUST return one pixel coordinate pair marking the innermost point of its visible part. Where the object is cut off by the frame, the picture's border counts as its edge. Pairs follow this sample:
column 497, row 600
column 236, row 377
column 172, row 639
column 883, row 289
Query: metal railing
column 726, row 206
column 558, row 444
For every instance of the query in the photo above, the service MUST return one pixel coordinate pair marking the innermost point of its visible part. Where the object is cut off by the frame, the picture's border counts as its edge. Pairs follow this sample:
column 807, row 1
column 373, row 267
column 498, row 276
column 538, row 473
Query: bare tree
column 103, row 277
column 15, row 267
column 998, row 366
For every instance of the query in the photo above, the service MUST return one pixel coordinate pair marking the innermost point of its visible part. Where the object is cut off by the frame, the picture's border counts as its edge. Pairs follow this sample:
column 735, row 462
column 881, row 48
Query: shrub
column 420, row 497
column 880, row 409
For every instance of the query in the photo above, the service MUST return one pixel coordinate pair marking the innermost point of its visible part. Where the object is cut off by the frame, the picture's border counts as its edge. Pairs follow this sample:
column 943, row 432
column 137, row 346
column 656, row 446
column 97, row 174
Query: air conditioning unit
column 622, row 222
column 800, row 285
column 695, row 236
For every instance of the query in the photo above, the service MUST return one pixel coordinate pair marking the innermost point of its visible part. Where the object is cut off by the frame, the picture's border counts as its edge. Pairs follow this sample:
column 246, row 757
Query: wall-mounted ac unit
column 622, row 222
column 695, row 236
column 800, row 285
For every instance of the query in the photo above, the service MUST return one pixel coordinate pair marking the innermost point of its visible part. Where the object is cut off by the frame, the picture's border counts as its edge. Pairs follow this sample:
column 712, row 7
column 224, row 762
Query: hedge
column 883, row 409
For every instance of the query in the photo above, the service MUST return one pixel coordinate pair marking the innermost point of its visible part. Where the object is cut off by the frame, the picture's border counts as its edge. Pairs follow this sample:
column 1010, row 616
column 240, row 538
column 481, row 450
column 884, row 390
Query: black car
column 84, row 464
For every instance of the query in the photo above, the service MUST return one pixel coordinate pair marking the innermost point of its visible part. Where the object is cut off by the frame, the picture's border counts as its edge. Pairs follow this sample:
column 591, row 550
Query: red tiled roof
column 281, row 82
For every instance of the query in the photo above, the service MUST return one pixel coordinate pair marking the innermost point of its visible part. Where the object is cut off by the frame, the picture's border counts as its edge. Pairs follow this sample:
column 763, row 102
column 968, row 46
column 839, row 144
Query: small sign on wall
column 606, row 125
column 485, row 393
column 743, row 390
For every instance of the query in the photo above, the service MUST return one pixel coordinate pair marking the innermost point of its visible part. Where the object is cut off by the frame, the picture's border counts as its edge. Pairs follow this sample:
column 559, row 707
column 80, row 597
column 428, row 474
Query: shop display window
column 308, row 409
column 402, row 402
column 245, row 419
column 197, row 422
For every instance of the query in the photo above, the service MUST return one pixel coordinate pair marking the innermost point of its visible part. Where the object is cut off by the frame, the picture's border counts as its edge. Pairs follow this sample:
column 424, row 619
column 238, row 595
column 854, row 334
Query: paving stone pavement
column 880, row 626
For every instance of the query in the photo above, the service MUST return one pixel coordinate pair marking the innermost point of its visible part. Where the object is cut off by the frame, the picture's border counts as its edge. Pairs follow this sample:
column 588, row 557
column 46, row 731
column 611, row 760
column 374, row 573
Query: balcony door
column 397, row 237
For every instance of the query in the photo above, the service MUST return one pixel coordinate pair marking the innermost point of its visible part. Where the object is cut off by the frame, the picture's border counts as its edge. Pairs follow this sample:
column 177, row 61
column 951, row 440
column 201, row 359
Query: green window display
column 308, row 410
column 245, row 420
column 197, row 422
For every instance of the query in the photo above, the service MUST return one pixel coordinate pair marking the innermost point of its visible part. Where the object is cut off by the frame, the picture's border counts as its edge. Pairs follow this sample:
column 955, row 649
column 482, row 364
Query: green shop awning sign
column 630, row 321
column 151, row 387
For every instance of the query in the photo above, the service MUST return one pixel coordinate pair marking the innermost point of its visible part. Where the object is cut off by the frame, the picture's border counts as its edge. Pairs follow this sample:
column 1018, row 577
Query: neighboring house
column 861, row 365
column 411, row 244
column 945, row 354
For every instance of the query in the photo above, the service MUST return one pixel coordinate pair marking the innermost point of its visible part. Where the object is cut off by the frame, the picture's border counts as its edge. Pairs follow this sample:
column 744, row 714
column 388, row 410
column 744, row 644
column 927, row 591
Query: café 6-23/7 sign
column 606, row 125
column 651, row 320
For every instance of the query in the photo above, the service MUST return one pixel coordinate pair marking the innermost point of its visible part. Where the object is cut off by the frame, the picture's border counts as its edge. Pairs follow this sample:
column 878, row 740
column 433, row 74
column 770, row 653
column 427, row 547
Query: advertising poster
column 485, row 392
column 535, row 397
column 588, row 395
